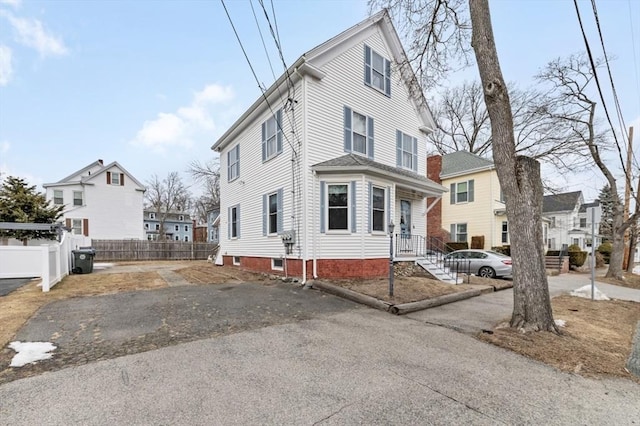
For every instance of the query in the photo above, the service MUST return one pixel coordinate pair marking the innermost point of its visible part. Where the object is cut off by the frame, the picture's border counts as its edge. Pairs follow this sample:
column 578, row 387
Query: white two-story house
column 101, row 202
column 570, row 220
column 332, row 154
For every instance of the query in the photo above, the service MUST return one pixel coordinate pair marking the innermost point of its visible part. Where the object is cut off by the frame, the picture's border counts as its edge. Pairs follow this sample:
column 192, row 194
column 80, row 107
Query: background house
column 101, row 202
column 569, row 220
column 331, row 154
column 213, row 229
column 178, row 226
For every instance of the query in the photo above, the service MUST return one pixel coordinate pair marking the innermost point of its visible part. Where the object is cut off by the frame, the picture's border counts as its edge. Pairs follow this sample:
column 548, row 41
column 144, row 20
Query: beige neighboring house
column 475, row 205
column 100, row 202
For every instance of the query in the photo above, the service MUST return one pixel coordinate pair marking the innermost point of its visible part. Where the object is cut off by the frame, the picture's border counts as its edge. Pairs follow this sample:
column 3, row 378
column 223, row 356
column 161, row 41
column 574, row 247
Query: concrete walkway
column 483, row 312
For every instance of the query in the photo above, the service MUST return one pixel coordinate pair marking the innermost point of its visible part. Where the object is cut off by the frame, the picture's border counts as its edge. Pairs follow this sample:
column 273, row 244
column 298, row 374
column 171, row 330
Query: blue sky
column 152, row 84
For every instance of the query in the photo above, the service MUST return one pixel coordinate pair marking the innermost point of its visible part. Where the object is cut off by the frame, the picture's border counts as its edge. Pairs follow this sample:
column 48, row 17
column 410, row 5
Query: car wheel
column 487, row 272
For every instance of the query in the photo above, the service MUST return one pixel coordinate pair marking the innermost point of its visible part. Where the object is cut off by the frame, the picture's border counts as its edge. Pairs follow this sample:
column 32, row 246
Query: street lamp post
column 391, row 272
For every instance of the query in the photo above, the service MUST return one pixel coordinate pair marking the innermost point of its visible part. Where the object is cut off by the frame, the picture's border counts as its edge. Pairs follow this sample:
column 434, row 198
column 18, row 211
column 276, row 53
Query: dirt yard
column 630, row 281
column 596, row 340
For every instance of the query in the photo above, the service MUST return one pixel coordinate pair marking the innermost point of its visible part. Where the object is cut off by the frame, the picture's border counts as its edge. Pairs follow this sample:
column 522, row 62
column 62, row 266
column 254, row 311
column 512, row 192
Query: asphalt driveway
column 7, row 285
column 104, row 327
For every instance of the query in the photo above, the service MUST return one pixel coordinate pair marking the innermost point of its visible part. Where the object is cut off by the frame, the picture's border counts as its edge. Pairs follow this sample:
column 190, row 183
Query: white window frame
column 384, row 74
column 152, row 215
column 115, row 179
column 272, row 129
column 146, row 226
column 236, row 260
column 157, row 226
column 56, row 199
column 457, row 192
column 181, row 218
column 361, row 136
column 233, row 166
column 348, row 207
column 76, row 226
column 234, row 225
column 504, row 232
column 177, row 237
column 383, row 209
column 407, row 139
column 176, row 228
column 456, row 236
column 186, row 228
column 275, row 266
column 186, row 238
column 272, row 216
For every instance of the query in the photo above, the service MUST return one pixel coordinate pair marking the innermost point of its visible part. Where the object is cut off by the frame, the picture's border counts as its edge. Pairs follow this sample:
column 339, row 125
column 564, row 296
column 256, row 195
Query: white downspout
column 315, row 227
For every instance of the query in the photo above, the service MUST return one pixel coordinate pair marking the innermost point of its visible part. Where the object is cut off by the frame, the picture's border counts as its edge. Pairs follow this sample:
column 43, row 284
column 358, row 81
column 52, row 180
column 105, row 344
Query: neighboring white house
column 569, row 221
column 331, row 154
column 101, row 202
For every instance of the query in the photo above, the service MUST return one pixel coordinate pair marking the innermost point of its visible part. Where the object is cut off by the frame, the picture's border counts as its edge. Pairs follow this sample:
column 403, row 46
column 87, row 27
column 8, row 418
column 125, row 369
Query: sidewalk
column 484, row 312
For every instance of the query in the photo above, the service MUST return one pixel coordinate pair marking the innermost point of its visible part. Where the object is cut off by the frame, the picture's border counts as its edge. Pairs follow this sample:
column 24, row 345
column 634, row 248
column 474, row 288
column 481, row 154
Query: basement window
column 236, row 260
column 277, row 264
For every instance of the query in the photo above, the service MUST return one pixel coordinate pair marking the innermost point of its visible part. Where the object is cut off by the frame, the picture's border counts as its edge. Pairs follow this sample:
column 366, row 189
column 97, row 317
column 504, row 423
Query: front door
column 405, row 226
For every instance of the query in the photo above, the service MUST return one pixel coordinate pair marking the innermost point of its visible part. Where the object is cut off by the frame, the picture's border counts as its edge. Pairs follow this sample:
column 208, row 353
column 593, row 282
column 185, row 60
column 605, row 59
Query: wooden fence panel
column 122, row 250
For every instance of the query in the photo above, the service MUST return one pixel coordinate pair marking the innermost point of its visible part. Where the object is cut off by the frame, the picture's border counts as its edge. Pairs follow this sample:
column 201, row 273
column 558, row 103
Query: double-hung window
column 462, row 192
column 57, row 197
column 377, row 71
column 234, row 221
column 505, row 232
column 76, row 226
column 378, row 208
column 406, row 151
column 358, row 133
column 233, row 163
column 338, row 205
column 459, row 232
column 272, row 136
column 115, row 178
column 272, row 213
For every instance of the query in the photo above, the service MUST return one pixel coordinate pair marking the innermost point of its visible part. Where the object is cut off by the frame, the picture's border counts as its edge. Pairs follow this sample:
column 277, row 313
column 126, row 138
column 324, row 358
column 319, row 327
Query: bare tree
column 166, row 196
column 570, row 79
column 208, row 175
column 425, row 22
column 464, row 125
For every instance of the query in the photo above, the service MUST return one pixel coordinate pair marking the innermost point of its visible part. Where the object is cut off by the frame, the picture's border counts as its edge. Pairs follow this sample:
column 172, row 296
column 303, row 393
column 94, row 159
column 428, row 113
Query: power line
column 595, row 76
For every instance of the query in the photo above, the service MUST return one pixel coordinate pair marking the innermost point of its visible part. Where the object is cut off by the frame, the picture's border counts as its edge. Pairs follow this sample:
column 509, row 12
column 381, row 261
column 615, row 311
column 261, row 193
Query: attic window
column 116, row 179
column 377, row 71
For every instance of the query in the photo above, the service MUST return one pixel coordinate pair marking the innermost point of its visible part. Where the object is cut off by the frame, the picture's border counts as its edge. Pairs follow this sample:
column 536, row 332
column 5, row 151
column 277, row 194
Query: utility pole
column 633, row 229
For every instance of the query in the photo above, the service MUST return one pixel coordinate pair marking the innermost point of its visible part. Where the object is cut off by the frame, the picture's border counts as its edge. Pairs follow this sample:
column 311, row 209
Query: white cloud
column 31, row 33
column 12, row 3
column 6, row 68
column 188, row 124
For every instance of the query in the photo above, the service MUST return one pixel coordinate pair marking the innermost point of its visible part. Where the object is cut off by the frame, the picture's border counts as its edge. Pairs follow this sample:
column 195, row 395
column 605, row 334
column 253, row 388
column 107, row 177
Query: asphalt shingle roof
column 585, row 206
column 560, row 202
column 462, row 161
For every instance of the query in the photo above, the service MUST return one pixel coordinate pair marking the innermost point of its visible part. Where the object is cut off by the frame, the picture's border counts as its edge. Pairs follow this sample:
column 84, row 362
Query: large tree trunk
column 520, row 181
column 617, row 246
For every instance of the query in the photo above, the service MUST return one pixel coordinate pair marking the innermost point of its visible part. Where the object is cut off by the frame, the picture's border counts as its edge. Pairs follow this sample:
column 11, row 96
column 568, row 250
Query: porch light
column 391, row 226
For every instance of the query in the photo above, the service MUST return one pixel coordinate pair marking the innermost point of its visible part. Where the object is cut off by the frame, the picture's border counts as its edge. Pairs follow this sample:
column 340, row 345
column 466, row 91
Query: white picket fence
column 51, row 262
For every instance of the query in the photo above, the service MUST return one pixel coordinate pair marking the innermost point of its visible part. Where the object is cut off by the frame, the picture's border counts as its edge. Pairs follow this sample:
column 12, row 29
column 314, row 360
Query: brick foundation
column 327, row 268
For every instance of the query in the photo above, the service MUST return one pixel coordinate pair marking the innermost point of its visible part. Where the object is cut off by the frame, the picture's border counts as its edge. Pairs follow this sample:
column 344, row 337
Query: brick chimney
column 100, row 161
column 434, row 217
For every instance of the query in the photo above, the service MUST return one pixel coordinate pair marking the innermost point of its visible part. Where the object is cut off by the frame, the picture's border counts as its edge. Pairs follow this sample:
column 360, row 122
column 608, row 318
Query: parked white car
column 484, row 263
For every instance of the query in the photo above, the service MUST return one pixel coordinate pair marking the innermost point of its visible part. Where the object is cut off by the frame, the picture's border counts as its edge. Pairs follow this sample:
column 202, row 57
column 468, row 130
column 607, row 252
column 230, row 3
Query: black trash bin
column 83, row 260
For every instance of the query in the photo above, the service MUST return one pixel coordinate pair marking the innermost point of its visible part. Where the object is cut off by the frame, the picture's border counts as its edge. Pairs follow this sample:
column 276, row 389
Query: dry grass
column 596, row 341
column 630, row 281
column 207, row 273
column 18, row 306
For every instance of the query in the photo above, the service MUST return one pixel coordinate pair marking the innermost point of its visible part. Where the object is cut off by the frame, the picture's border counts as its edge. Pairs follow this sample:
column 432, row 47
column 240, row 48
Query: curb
column 401, row 308
column 633, row 363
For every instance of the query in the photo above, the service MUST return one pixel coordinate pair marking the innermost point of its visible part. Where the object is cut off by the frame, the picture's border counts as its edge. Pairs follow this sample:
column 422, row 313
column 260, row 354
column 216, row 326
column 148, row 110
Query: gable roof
column 357, row 163
column 585, row 206
column 88, row 178
column 463, row 162
column 561, row 202
column 308, row 63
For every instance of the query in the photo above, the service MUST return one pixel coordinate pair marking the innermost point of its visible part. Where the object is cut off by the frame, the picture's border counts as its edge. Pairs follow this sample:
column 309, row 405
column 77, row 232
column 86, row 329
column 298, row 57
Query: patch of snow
column 30, row 352
column 560, row 323
column 636, row 270
column 102, row 265
column 585, row 292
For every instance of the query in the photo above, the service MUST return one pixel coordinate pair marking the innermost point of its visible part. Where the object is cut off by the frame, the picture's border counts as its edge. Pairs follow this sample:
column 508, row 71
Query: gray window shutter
column 279, row 131
column 238, row 219
column 228, row 223
column 280, row 211
column 453, row 232
column 387, row 77
column 264, row 141
column 453, row 193
column 265, row 213
column 398, row 148
column 347, row 129
column 470, row 189
column 370, row 137
column 370, row 208
column 414, row 156
column 354, row 215
column 367, row 65
column 228, row 166
column 323, row 191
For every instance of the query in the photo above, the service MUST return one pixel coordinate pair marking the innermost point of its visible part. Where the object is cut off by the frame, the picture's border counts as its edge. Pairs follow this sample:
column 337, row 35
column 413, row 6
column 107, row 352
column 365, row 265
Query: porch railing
column 432, row 248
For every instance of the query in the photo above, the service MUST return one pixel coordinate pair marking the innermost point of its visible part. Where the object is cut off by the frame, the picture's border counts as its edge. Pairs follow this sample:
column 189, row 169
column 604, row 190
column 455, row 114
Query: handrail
column 433, row 248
